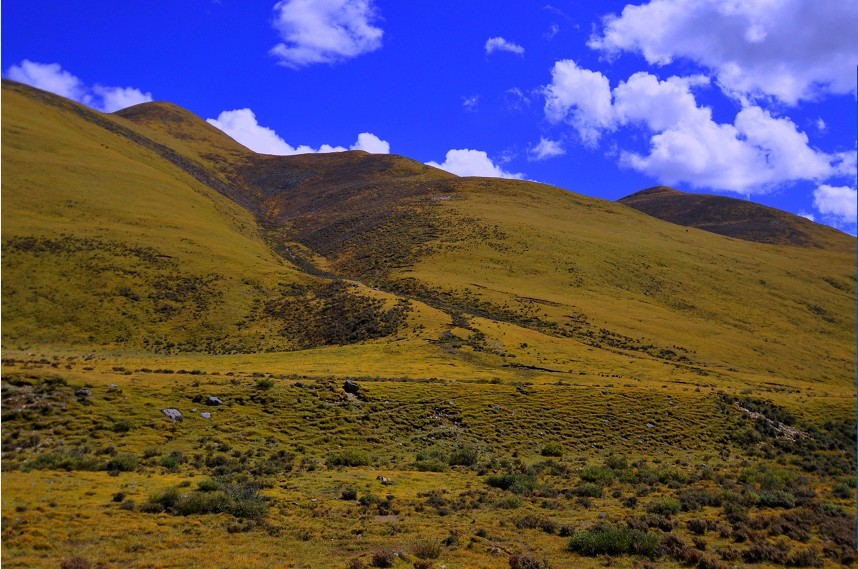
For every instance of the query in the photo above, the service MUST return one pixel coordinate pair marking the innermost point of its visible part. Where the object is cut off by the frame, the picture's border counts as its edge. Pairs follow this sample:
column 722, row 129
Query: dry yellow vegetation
column 543, row 379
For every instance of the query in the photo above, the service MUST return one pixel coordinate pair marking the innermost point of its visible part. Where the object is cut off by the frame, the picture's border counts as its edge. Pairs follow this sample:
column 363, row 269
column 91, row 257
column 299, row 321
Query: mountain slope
column 732, row 217
column 494, row 264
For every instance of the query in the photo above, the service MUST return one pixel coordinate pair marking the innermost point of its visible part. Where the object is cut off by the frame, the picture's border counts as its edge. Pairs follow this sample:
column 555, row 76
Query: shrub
column 122, row 426
column 842, row 490
column 616, row 462
column 264, row 384
column 123, row 463
column 383, row 558
column 589, row 490
column 552, row 449
column 776, row 499
column 516, row 483
column 598, row 474
column 613, row 540
column 805, row 557
column 423, row 564
column 463, row 456
column 527, row 561
column 664, row 506
column 426, row 548
column 208, row 485
column 351, row 457
column 349, row 494
column 75, row 563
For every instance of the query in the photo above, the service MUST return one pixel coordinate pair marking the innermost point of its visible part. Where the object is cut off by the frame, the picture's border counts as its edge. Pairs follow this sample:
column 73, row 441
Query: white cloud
column 324, row 31
column 116, row 98
column 471, row 103
column 465, row 162
column 807, row 215
column 791, row 50
column 546, row 149
column 371, row 143
column 500, row 44
column 580, row 97
column 516, row 99
column 754, row 154
column 241, row 124
column 552, row 31
column 52, row 77
column 49, row 77
column 837, row 204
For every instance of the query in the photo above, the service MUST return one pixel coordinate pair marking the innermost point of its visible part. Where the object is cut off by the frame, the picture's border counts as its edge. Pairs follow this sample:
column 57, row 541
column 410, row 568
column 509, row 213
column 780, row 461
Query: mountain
column 378, row 360
column 511, row 259
column 732, row 217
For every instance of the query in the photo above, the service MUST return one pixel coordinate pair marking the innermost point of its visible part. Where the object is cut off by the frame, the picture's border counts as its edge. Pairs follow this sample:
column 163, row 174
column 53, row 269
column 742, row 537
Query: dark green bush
column 589, row 489
column 351, row 457
column 463, row 456
column 598, row 474
column 614, row 540
column 552, row 449
column 776, row 499
column 664, row 506
column 123, row 463
column 517, row 483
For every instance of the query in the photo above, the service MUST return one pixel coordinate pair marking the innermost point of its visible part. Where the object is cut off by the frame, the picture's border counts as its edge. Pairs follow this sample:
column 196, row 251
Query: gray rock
column 300, row 384
column 172, row 413
column 351, row 387
column 206, row 415
column 213, row 401
column 649, row 425
column 83, row 393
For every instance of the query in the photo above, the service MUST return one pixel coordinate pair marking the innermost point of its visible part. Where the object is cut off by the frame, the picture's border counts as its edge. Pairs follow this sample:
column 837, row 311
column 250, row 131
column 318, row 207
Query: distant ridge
column 732, row 217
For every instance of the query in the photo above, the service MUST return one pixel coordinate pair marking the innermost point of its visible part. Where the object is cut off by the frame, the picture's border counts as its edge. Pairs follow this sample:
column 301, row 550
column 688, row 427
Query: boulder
column 172, row 413
column 351, row 387
column 213, row 401
column 83, row 393
column 206, row 415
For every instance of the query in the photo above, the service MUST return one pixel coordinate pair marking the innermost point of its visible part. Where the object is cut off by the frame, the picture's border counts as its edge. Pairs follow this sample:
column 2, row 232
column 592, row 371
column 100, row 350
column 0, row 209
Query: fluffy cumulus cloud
column 753, row 154
column 580, row 97
column 52, row 77
column 116, row 98
column 837, row 204
column 500, row 44
column 466, row 162
column 546, row 148
column 324, row 31
column 789, row 50
column 241, row 124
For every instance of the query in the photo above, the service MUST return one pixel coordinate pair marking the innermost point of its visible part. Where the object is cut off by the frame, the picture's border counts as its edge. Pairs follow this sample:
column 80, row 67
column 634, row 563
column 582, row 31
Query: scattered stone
column 604, row 392
column 213, row 401
column 83, row 393
column 172, row 413
column 206, row 415
column 300, row 385
column 385, row 481
column 649, row 425
column 351, row 387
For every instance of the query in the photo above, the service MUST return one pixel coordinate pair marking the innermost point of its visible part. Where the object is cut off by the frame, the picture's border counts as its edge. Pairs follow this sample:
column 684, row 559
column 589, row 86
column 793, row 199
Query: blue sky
column 748, row 98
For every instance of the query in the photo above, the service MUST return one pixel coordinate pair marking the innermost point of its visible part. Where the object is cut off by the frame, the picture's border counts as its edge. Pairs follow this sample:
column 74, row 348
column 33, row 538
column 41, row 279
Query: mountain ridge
column 731, row 217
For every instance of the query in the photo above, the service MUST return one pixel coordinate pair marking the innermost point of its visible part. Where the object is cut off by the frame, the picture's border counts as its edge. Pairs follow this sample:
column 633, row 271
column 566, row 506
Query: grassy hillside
column 733, row 217
column 535, row 378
